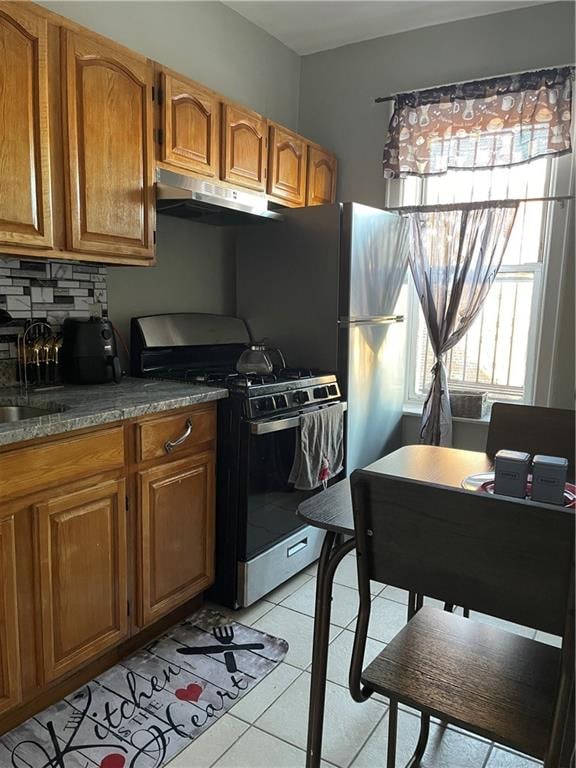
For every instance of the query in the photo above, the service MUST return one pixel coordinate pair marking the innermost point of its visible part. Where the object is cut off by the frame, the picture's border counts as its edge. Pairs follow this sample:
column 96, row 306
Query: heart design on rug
column 113, row 761
column 192, row 692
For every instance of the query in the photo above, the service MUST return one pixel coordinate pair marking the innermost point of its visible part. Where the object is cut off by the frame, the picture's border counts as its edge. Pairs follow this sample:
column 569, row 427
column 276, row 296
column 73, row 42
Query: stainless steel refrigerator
column 327, row 285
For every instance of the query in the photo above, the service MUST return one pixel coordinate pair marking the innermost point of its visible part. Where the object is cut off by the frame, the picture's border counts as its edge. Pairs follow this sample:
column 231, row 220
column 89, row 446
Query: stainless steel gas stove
column 260, row 542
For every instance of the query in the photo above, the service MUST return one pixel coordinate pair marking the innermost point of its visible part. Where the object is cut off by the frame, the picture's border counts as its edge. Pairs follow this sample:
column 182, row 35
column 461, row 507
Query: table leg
column 333, row 550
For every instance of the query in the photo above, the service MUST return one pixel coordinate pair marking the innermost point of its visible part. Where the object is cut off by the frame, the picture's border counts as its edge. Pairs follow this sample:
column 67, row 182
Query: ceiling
column 308, row 26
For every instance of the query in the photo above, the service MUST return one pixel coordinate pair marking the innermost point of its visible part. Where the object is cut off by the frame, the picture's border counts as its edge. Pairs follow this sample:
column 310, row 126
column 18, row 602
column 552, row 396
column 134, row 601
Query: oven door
column 271, row 501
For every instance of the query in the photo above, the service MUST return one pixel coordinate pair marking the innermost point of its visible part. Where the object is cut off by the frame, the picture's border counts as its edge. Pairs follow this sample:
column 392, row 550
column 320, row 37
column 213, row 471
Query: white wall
column 338, row 87
column 195, row 273
column 209, row 42
column 206, row 41
column 337, row 109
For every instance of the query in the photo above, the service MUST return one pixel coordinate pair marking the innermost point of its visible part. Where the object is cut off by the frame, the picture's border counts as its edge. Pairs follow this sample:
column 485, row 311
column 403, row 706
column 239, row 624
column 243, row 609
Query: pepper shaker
column 511, row 473
column 548, row 479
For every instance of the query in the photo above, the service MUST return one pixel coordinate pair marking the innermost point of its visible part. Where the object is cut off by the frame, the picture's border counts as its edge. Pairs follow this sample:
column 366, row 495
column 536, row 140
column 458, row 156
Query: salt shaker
column 511, row 473
column 549, row 479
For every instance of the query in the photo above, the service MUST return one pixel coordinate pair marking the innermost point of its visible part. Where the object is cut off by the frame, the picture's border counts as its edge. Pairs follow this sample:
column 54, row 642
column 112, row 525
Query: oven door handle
column 278, row 425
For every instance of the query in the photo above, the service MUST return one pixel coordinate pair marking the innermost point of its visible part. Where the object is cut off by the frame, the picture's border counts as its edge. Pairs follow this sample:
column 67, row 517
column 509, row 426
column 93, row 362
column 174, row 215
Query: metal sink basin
column 10, row 413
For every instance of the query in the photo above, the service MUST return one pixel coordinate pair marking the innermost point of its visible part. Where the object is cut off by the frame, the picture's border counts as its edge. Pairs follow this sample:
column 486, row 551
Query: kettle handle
column 280, row 357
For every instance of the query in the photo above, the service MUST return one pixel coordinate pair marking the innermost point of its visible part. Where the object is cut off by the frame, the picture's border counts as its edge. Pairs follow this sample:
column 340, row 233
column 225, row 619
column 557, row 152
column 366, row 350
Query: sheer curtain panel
column 454, row 256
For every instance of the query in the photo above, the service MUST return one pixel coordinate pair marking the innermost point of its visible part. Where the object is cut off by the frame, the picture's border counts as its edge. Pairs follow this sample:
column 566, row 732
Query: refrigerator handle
column 377, row 320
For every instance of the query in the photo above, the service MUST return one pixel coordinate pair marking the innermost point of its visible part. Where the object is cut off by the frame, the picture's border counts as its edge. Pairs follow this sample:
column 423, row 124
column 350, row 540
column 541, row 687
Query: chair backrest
column 508, row 559
column 548, row 431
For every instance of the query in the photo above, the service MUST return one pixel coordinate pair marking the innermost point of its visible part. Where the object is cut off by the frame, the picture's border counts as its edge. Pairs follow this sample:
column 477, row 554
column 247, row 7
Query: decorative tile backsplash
column 50, row 291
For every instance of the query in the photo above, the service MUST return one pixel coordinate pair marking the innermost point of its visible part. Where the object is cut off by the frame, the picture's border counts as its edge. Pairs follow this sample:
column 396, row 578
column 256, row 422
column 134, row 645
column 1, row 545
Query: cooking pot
column 257, row 358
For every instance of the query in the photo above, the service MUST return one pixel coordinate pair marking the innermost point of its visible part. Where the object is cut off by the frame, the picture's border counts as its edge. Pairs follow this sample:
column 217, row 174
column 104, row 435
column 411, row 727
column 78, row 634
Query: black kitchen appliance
column 89, row 351
column 260, row 541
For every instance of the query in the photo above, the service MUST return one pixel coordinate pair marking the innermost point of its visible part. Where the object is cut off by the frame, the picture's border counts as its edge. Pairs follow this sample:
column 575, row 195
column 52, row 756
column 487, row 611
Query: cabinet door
column 190, row 126
column 83, row 575
column 176, row 502
column 287, row 166
column 321, row 185
column 244, row 147
column 9, row 655
column 25, row 196
column 110, row 149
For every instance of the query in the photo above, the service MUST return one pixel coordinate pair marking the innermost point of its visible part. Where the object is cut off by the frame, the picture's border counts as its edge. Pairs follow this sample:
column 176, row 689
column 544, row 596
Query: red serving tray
column 569, row 492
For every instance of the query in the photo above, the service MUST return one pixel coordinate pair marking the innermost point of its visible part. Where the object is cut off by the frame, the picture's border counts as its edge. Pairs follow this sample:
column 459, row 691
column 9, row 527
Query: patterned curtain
column 455, row 253
column 483, row 124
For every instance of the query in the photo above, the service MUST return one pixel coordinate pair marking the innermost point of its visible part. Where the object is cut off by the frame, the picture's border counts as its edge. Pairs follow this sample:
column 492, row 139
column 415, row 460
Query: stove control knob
column 265, row 404
column 280, row 401
column 301, row 396
column 320, row 392
column 332, row 389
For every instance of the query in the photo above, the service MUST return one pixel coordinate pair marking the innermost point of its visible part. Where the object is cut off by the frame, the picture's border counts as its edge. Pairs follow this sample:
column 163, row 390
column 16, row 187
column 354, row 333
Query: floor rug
column 151, row 706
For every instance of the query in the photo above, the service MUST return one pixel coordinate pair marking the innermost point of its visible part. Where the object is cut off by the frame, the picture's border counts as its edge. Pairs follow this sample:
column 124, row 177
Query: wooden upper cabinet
column 9, row 647
column 176, row 507
column 190, row 122
column 244, row 145
column 321, row 184
column 109, row 147
column 83, row 575
column 25, row 194
column 287, row 158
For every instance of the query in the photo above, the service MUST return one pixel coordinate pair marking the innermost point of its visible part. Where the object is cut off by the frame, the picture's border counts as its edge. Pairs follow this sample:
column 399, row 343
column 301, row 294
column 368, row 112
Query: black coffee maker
column 89, row 351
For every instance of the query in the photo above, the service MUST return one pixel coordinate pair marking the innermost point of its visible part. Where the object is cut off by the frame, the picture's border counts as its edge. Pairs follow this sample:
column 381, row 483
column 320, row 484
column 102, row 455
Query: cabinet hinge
column 128, row 608
column 127, row 505
column 153, row 93
column 159, row 96
column 160, row 136
column 154, row 237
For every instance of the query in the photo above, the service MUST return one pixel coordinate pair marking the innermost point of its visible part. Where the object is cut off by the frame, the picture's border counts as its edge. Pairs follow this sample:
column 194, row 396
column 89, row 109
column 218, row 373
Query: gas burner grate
column 298, row 373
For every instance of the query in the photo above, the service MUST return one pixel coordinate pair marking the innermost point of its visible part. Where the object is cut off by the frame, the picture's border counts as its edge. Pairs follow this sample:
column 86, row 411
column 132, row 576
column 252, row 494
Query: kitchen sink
column 10, row 413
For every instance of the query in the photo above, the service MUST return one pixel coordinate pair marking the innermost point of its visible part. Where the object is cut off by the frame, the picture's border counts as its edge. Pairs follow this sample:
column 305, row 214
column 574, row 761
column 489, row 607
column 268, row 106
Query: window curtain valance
column 483, row 124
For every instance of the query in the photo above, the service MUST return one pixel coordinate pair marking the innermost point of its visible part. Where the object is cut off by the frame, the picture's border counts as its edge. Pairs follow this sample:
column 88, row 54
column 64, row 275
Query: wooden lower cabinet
column 92, row 523
column 83, row 575
column 176, row 507
column 9, row 648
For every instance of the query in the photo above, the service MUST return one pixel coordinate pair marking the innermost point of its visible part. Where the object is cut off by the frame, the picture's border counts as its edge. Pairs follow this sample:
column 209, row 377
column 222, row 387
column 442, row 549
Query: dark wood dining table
column 331, row 510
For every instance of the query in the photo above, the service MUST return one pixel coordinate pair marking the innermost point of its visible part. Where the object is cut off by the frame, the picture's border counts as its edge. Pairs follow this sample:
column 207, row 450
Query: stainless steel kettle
column 257, row 358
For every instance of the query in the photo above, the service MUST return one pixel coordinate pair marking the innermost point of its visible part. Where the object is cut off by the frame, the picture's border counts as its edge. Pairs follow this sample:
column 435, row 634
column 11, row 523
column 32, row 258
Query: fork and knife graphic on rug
column 225, row 636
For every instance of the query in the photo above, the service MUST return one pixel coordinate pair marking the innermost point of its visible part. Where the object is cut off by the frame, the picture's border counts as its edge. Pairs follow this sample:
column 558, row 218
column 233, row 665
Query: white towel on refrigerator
column 319, row 451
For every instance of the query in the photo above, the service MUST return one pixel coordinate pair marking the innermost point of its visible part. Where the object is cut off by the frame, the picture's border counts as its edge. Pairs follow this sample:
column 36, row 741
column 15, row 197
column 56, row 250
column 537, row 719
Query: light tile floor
column 267, row 728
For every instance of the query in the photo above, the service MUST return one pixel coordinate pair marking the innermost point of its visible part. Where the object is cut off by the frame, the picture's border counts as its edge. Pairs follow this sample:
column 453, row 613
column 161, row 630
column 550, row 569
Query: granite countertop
column 78, row 407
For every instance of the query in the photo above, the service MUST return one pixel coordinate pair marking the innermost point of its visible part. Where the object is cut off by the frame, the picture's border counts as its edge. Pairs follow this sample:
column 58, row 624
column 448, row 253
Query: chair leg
column 450, row 608
column 392, row 734
column 422, row 742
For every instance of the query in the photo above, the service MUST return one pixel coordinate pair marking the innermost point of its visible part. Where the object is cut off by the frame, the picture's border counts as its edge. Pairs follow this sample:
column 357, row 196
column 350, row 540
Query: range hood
column 208, row 202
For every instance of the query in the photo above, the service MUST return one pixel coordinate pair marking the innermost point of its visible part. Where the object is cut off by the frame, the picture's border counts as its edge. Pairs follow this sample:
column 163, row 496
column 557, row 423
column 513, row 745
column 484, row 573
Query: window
column 497, row 354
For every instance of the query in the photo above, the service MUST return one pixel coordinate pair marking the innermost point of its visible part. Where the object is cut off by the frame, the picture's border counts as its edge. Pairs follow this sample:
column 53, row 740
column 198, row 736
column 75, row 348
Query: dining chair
column 533, row 429
column 510, row 559
column 548, row 431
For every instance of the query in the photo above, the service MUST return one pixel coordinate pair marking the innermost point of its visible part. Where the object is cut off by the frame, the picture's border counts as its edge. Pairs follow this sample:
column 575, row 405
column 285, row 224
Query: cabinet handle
column 169, row 445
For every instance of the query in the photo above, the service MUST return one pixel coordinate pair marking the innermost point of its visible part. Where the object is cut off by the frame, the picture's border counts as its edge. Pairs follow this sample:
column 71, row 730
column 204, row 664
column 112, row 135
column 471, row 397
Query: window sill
column 415, row 410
